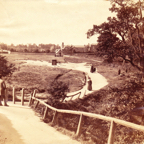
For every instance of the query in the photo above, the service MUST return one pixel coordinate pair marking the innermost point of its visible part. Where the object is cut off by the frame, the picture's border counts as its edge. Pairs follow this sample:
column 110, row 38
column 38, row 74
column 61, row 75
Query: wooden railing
column 71, row 96
column 113, row 121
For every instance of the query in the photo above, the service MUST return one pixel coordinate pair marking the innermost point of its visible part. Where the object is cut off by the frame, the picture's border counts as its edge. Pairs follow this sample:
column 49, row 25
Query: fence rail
column 113, row 121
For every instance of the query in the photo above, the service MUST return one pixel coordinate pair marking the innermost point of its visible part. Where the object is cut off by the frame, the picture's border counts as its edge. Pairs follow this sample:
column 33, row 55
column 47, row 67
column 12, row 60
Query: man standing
column 2, row 92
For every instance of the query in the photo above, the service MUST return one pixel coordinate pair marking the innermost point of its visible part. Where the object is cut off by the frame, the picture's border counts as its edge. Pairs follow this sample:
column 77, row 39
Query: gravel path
column 21, row 126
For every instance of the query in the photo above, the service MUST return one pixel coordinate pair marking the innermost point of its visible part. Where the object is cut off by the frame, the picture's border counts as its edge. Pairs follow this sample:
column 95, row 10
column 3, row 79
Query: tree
column 3, row 46
column 6, row 68
column 68, row 49
column 122, row 35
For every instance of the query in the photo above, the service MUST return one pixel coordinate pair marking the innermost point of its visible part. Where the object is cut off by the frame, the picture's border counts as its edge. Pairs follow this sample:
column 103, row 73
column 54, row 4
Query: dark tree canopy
column 6, row 68
column 122, row 35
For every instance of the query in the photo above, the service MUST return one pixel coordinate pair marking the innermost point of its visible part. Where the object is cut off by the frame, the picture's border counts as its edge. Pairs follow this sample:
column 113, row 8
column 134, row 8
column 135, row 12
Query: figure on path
column 2, row 92
column 89, row 81
column 93, row 69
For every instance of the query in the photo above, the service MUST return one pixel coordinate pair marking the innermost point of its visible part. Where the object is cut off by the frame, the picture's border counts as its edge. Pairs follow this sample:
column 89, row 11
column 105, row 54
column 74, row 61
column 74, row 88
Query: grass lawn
column 39, row 77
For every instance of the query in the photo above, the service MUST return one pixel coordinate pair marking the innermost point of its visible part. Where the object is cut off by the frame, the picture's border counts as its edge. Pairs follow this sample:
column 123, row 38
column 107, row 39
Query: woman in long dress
column 89, row 81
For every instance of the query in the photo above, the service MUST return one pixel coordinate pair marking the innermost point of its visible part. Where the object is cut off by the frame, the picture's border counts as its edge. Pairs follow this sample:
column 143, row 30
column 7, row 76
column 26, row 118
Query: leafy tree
column 3, row 46
column 6, row 68
column 122, row 35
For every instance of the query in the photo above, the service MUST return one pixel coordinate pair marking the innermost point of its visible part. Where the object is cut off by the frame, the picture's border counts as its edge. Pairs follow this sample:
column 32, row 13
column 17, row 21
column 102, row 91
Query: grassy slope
column 118, row 99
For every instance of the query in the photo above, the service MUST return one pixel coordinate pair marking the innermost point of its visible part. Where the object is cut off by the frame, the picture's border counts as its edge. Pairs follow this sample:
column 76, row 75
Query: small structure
column 5, row 51
column 54, row 62
column 57, row 52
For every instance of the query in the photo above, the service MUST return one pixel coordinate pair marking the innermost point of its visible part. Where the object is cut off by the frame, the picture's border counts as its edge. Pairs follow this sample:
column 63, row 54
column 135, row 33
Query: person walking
column 2, row 92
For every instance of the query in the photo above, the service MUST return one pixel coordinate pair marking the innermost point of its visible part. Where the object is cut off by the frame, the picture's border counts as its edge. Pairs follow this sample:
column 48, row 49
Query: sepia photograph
column 71, row 71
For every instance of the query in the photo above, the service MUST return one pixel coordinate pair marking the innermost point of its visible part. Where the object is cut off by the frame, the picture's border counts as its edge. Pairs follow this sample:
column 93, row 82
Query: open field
column 108, row 71
column 40, row 77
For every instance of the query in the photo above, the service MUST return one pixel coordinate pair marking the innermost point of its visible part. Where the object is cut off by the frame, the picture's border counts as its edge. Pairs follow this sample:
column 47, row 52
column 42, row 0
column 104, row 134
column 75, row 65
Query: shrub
column 48, row 51
column 6, row 68
column 36, row 51
column 58, row 92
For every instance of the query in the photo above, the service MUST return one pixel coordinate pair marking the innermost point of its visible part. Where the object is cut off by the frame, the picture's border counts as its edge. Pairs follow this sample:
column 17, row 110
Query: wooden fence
column 112, row 120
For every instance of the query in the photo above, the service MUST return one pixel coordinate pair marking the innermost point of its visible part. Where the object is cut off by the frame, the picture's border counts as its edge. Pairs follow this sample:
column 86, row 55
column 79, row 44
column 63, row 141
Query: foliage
column 122, row 35
column 69, row 50
column 3, row 46
column 41, row 48
column 47, row 51
column 58, row 92
column 6, row 68
column 118, row 102
column 36, row 51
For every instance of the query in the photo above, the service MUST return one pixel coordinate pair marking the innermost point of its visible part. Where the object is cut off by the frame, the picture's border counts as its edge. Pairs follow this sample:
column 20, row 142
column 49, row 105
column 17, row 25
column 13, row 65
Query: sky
column 50, row 21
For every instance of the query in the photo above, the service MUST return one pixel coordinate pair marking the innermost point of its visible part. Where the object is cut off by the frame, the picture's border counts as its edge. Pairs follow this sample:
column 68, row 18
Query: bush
column 6, row 68
column 48, row 51
column 36, row 51
column 58, row 92
column 26, row 50
column 13, row 50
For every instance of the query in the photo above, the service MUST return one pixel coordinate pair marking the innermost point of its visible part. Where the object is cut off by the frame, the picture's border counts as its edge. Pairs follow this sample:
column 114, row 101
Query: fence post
column 83, row 94
column 111, row 133
column 79, row 125
column 36, row 105
column 30, row 99
column 54, row 121
column 6, row 95
column 42, row 112
column 45, row 113
column 34, row 93
column 79, row 95
column 71, row 97
column 22, row 98
column 14, row 95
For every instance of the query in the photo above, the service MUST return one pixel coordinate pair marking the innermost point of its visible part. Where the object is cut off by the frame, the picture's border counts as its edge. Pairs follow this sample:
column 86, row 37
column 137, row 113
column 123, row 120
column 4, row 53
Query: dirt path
column 8, row 135
column 98, row 81
column 21, row 126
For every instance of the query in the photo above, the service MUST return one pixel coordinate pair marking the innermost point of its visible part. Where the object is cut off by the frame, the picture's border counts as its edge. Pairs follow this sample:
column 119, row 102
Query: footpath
column 22, row 126
column 98, row 81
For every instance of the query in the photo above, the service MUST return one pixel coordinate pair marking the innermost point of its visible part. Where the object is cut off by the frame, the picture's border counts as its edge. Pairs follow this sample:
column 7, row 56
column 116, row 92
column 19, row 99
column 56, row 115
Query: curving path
column 98, row 81
column 27, row 127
